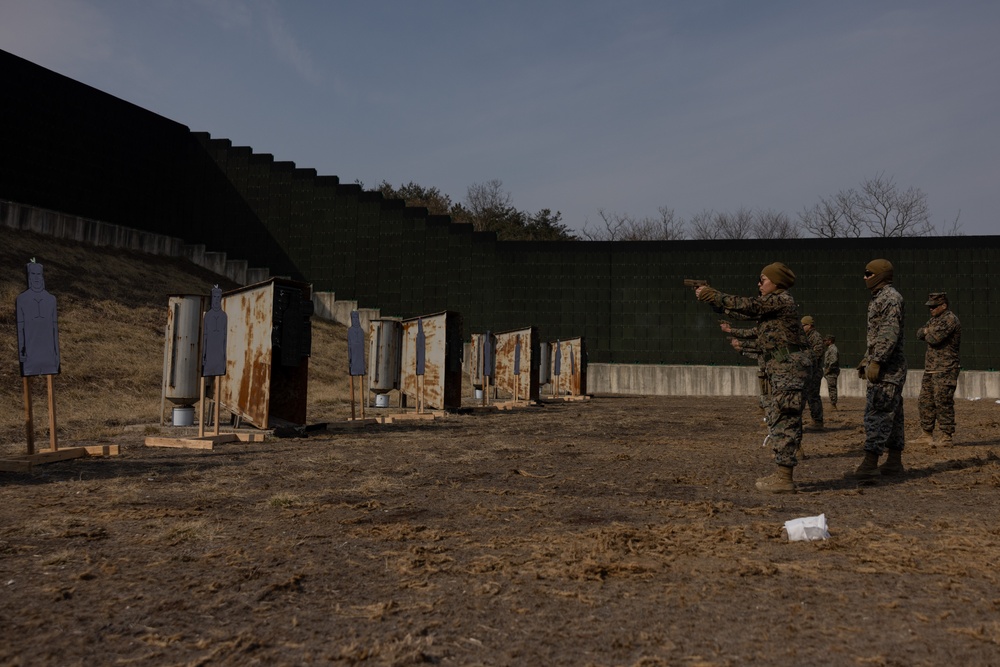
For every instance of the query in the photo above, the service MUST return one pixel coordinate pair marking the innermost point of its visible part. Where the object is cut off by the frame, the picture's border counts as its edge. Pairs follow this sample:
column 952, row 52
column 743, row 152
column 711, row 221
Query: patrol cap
column 935, row 299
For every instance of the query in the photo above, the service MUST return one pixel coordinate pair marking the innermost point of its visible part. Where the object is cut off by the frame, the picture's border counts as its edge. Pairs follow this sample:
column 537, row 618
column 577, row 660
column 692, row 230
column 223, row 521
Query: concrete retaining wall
column 664, row 380
column 97, row 233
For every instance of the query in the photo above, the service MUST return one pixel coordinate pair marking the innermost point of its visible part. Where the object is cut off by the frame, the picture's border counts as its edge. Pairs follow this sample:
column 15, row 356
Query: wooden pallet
column 204, row 441
column 25, row 462
column 411, row 416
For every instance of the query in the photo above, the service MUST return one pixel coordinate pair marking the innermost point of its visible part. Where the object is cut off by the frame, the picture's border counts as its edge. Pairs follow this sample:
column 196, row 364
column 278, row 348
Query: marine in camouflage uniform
column 943, row 335
column 814, row 339
column 831, row 368
column 781, row 343
column 884, row 366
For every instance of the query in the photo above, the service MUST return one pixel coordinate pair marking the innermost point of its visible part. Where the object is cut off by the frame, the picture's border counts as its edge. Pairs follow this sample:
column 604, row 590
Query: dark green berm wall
column 68, row 147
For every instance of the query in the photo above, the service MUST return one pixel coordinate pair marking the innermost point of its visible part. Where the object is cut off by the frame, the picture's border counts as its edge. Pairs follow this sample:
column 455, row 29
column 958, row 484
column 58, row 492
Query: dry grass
column 112, row 314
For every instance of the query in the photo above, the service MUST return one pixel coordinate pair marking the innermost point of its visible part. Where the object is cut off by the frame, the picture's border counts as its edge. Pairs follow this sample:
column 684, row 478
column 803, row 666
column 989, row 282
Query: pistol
column 695, row 282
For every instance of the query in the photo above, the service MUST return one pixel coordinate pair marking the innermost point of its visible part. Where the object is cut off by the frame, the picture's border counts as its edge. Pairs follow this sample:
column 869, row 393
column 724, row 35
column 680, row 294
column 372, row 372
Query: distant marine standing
column 814, row 339
column 831, row 368
column 936, row 404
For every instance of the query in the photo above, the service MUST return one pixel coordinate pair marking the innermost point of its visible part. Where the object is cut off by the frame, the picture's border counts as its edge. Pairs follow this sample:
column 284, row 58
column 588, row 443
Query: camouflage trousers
column 784, row 424
column 810, row 395
column 883, row 418
column 831, row 387
column 936, row 404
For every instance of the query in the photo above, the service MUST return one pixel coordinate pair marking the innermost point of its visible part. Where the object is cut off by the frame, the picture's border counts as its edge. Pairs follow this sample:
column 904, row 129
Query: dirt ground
column 616, row 531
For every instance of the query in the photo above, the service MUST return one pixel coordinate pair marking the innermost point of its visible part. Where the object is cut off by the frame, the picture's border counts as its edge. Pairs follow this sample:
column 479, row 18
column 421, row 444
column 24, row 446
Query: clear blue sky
column 576, row 105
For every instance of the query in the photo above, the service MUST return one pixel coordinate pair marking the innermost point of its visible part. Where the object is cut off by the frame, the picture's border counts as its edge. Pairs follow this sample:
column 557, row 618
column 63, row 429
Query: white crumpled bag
column 807, row 529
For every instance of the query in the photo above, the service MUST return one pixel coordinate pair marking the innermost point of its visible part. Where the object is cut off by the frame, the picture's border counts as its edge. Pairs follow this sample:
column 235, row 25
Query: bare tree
column 703, row 226
column 625, row 227
column 709, row 225
column 825, row 219
column 484, row 199
column 953, row 228
column 772, row 224
column 877, row 208
column 738, row 225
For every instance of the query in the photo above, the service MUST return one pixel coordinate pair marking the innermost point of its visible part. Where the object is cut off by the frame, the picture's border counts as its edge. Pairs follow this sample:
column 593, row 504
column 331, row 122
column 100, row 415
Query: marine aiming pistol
column 695, row 282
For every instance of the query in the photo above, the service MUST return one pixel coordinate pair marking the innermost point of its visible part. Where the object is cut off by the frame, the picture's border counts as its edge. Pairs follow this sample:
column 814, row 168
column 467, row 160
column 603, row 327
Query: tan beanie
column 779, row 274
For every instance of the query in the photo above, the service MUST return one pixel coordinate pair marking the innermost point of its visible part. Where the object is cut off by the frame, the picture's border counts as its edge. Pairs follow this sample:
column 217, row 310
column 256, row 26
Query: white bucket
column 183, row 416
column 479, row 394
column 381, row 400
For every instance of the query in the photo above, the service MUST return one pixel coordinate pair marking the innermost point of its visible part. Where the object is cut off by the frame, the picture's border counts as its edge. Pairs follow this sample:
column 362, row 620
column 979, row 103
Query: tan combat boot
column 867, row 470
column 945, row 440
column 927, row 438
column 894, row 464
column 779, row 482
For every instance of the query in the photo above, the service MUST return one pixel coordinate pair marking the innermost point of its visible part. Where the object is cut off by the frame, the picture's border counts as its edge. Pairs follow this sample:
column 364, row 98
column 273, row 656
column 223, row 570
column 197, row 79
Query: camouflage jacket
column 780, row 341
column 831, row 360
column 885, row 335
column 748, row 345
column 943, row 335
column 814, row 339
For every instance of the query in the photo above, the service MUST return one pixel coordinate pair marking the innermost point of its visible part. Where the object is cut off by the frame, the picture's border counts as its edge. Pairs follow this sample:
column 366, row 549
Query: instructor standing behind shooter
column 884, row 366
column 781, row 342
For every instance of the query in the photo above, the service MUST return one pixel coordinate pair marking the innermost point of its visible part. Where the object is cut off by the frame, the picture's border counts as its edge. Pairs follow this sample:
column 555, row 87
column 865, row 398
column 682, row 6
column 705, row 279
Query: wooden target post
column 29, row 422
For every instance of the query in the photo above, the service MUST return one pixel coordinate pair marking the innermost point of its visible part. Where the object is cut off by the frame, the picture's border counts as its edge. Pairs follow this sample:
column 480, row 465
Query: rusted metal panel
column 518, row 350
column 267, row 364
column 571, row 361
column 442, row 359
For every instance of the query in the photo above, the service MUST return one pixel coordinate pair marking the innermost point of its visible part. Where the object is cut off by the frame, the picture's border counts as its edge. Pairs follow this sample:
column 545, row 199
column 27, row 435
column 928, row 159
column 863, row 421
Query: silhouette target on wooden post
column 517, row 366
column 214, row 339
column 421, row 361
column 557, row 369
column 356, row 358
column 37, row 345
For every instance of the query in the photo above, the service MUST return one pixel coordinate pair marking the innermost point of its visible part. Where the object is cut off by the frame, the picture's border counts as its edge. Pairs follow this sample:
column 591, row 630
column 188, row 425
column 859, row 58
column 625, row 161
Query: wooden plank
column 250, row 437
column 182, row 443
column 24, row 463
column 15, row 465
column 28, row 420
column 53, row 439
column 50, row 456
column 203, row 442
column 102, row 450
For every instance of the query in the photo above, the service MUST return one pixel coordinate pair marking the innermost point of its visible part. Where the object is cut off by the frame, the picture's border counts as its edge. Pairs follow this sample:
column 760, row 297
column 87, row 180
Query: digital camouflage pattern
column 884, row 399
column 782, row 347
column 943, row 335
column 936, row 403
column 885, row 335
column 831, row 371
column 811, row 392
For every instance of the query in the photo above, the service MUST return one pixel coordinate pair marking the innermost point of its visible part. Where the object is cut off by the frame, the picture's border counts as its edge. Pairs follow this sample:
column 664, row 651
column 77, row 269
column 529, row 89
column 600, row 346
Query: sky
column 579, row 106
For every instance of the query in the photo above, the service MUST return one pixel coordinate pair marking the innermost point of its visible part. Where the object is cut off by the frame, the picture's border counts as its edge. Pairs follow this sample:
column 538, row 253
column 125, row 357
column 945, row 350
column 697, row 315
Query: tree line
column 877, row 207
